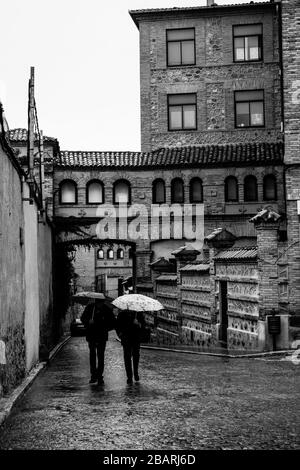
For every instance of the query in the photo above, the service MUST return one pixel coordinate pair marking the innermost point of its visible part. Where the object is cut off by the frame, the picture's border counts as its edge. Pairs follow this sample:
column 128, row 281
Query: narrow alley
column 183, row 401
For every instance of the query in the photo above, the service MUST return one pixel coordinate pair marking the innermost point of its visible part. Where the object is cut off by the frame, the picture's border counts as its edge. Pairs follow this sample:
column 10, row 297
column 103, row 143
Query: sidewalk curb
column 7, row 404
column 230, row 356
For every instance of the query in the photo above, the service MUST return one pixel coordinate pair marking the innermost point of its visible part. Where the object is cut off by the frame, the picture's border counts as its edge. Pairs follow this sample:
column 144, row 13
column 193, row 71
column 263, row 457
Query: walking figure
column 130, row 327
column 98, row 320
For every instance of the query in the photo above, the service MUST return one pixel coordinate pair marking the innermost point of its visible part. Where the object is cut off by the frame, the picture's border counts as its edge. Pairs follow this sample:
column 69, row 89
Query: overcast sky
column 86, row 59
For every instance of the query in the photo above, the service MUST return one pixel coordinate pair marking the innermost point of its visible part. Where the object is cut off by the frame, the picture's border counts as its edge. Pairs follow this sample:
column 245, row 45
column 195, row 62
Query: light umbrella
column 137, row 303
column 85, row 297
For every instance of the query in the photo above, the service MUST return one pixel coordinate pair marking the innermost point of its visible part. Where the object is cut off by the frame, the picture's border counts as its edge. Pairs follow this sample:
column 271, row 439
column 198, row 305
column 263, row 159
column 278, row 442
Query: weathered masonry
column 210, row 64
column 27, row 323
column 220, row 128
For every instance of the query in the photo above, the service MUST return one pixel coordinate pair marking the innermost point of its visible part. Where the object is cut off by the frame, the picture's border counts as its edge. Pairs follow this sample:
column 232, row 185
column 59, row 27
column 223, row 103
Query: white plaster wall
column 32, row 320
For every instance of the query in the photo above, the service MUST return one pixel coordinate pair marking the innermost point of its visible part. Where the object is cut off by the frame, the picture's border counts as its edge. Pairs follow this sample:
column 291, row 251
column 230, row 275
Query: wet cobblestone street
column 183, row 401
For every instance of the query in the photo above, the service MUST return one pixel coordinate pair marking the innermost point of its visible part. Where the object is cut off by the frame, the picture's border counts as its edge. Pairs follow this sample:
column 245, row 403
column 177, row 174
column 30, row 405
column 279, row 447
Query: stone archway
column 82, row 232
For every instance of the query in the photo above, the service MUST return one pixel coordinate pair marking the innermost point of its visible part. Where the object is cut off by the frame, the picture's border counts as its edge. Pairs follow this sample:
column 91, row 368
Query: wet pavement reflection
column 183, row 401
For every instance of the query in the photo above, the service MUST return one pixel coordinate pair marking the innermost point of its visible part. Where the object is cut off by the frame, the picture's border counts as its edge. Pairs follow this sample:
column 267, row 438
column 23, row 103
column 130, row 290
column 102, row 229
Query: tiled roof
column 196, row 267
column 214, row 233
column 185, row 249
column 135, row 13
column 102, row 159
column 245, row 253
column 20, row 135
column 167, row 277
column 199, row 7
column 209, row 155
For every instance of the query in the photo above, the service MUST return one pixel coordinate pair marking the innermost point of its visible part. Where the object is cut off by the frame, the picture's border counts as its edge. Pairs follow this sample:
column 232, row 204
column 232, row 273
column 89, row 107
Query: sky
column 86, row 59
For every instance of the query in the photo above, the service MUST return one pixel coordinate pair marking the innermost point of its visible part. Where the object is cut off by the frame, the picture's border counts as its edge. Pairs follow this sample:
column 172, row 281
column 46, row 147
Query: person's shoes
column 93, row 380
column 101, row 381
column 136, row 377
column 129, row 381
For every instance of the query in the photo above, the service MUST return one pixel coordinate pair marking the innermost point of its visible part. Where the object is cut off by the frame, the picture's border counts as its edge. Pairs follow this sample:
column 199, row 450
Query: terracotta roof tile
column 196, row 267
column 20, row 135
column 135, row 13
column 167, row 277
column 209, row 155
column 245, row 253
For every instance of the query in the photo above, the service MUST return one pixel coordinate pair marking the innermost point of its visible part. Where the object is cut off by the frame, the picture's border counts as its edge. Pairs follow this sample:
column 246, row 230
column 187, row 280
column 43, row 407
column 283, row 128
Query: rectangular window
column 182, row 112
column 249, row 108
column 180, row 47
column 247, row 42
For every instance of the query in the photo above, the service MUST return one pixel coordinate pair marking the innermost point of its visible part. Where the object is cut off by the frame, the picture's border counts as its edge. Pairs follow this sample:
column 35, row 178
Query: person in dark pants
column 130, row 326
column 98, row 320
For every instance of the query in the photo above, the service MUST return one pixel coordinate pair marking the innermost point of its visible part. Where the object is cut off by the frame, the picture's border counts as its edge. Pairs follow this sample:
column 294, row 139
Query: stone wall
column 243, row 304
column 49, row 325
column 32, row 317
column 190, row 318
column 197, row 327
column 291, row 92
column 233, row 215
column 214, row 78
column 25, row 275
column 167, row 321
column 85, row 268
column 12, row 301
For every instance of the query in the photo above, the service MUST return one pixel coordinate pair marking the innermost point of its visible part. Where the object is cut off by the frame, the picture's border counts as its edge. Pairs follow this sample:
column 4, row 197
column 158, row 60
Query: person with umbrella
column 98, row 319
column 131, row 328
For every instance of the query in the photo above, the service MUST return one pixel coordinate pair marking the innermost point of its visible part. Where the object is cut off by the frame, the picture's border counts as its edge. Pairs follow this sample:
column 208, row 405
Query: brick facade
column 214, row 77
column 291, row 89
column 233, row 215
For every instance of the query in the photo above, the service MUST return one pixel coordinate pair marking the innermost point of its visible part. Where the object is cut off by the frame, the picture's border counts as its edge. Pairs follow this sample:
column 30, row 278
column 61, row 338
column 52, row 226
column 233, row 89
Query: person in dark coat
column 98, row 320
column 130, row 326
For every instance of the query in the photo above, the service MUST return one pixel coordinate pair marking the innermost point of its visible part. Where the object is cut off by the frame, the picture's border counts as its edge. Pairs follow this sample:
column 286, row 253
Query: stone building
column 233, row 181
column 212, row 122
column 291, row 103
column 209, row 75
column 28, row 326
column 220, row 130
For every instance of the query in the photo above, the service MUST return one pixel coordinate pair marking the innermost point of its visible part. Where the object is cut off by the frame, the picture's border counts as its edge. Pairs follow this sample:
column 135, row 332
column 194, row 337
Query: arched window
column 158, row 192
column 120, row 253
column 250, row 188
column 270, row 188
column 231, row 189
column 110, row 254
column 122, row 192
column 100, row 254
column 94, row 192
column 196, row 190
column 68, row 192
column 177, row 191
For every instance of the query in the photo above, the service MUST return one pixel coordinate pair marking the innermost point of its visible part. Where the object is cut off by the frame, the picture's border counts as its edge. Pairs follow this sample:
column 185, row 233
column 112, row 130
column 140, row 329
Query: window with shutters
column 250, row 188
column 182, row 113
column 231, row 189
column 249, row 108
column 158, row 192
column 180, row 47
column 247, row 42
column 196, row 190
column 94, row 192
column 68, row 192
column 177, row 191
column 122, row 192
